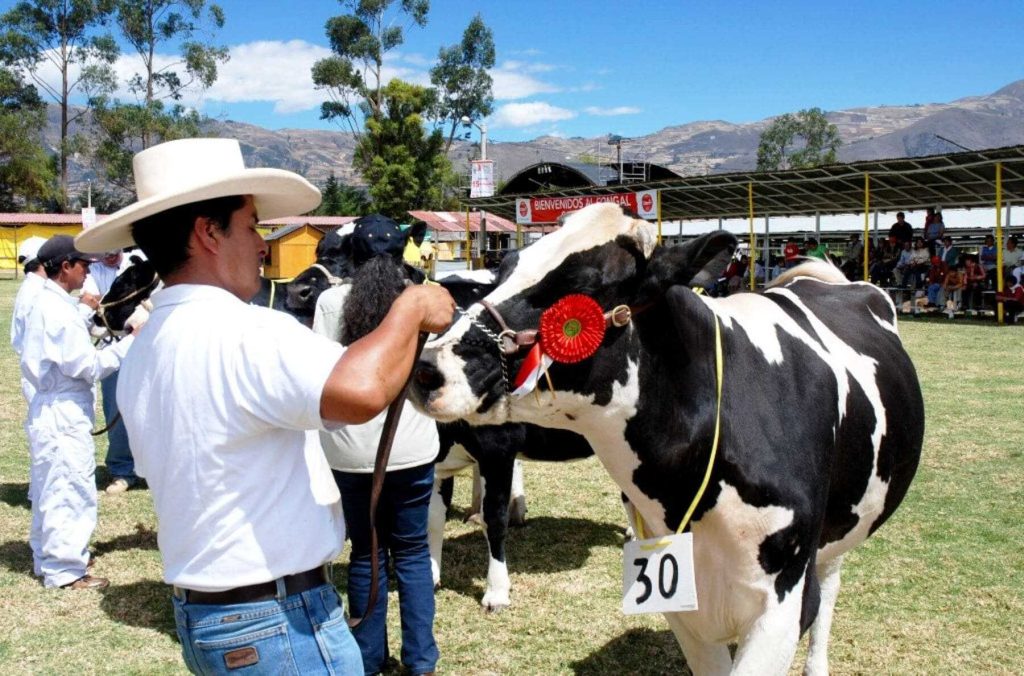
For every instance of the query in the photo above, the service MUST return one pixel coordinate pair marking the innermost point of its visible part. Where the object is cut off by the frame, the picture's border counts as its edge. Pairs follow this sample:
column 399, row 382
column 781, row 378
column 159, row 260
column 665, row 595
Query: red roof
column 328, row 222
column 43, row 219
column 455, row 221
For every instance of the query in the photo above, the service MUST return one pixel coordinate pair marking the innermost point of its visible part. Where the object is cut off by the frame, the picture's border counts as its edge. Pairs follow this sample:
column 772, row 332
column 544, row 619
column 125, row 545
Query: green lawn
column 937, row 590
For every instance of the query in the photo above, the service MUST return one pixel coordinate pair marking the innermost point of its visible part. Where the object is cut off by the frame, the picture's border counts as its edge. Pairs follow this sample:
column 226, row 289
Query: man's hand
column 90, row 300
column 435, row 304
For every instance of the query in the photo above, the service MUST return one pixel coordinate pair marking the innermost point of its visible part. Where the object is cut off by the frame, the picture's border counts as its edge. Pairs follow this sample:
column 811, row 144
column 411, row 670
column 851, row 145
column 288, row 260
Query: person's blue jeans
column 402, row 538
column 120, row 462
column 303, row 633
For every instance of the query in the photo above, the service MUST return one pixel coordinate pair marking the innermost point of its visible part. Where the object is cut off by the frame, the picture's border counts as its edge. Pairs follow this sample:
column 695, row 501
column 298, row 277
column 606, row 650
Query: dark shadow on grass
column 638, row 652
column 15, row 494
column 16, row 556
column 144, row 604
column 142, row 538
column 545, row 545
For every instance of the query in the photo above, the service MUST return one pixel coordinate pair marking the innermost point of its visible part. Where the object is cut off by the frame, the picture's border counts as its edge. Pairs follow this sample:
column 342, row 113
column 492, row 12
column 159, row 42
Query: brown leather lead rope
column 380, row 468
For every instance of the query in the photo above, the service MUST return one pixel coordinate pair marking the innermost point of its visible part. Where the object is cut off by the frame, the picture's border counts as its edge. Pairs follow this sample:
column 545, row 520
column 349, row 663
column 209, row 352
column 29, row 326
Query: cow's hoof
column 495, row 603
column 517, row 512
column 475, row 517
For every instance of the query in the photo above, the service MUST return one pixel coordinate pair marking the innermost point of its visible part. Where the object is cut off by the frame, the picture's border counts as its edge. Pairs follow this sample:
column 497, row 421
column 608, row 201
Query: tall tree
column 799, row 141
column 352, row 77
column 400, row 161
column 186, row 27
column 340, row 199
column 461, row 78
column 61, row 33
column 26, row 173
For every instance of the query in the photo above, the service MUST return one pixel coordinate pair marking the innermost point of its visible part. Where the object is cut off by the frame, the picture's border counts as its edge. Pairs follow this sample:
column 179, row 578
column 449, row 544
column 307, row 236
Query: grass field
column 937, row 590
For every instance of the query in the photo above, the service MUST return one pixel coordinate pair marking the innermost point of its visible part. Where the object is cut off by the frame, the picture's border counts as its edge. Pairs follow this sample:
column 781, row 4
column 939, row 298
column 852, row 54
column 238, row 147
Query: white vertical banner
column 481, row 178
column 647, row 204
column 524, row 213
column 88, row 217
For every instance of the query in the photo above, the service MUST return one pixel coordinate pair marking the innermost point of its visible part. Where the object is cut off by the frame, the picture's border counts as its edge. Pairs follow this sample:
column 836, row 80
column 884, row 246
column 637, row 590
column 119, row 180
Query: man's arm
column 374, row 369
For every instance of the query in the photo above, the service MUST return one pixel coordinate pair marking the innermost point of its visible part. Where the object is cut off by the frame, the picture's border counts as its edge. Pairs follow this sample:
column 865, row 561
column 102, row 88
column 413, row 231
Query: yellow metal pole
column 867, row 211
column 999, row 242
column 469, row 260
column 519, row 235
column 753, row 247
column 658, row 198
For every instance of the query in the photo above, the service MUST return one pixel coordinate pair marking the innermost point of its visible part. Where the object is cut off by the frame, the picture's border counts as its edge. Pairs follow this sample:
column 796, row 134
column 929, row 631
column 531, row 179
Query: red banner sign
column 534, row 210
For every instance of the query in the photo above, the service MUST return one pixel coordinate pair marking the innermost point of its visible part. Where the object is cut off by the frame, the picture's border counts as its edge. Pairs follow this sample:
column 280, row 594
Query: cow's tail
column 814, row 268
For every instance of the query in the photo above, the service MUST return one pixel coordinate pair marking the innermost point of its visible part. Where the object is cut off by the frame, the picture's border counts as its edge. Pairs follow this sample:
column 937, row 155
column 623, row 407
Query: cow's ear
column 136, row 259
column 418, row 230
column 693, row 320
column 698, row 262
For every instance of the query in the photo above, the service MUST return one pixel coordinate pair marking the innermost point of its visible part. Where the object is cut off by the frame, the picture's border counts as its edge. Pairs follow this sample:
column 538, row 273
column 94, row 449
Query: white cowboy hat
column 180, row 172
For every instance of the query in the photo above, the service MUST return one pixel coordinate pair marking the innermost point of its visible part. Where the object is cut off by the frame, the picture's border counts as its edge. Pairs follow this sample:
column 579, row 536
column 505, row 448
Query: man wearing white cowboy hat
column 62, row 366
column 226, row 398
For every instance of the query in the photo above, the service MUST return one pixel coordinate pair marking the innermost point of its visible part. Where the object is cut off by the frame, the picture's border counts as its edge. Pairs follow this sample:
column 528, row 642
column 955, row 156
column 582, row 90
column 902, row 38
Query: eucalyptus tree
column 26, row 173
column 462, row 80
column 60, row 46
column 806, row 139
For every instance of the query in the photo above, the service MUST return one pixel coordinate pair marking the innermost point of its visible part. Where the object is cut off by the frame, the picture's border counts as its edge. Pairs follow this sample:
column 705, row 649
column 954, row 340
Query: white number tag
column 658, row 575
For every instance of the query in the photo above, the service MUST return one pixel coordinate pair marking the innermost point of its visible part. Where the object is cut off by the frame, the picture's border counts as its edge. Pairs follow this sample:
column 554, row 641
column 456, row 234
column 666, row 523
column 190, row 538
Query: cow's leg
column 435, row 528
column 474, row 503
column 496, row 474
column 630, row 517
column 770, row 644
column 817, row 650
column 704, row 659
column 517, row 499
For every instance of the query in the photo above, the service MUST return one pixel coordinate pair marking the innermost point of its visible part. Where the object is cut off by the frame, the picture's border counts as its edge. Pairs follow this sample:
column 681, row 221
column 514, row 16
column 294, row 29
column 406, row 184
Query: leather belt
column 263, row 591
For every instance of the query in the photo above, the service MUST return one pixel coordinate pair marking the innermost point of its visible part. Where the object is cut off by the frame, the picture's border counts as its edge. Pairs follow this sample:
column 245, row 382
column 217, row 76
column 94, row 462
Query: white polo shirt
column 221, row 401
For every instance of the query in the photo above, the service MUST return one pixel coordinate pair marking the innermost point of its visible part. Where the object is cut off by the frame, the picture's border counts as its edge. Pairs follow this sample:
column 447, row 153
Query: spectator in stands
column 903, row 264
column 920, row 261
column 901, row 230
column 816, row 249
column 974, row 282
column 791, row 252
column 1012, row 298
column 987, row 259
column 884, row 262
column 936, row 278
column 853, row 261
column 934, row 232
column 949, row 253
column 1011, row 254
column 952, row 290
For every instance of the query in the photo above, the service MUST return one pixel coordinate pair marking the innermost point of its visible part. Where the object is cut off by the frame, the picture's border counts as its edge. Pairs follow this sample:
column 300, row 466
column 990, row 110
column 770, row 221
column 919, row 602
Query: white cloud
column 523, row 66
column 270, row 70
column 512, row 82
column 608, row 112
column 526, row 114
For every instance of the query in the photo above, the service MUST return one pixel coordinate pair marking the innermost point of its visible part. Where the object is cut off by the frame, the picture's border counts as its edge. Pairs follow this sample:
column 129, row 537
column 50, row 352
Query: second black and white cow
column 821, row 417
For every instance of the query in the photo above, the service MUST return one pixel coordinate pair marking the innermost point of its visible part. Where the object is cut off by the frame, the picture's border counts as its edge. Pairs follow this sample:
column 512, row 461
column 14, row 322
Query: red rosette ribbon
column 572, row 329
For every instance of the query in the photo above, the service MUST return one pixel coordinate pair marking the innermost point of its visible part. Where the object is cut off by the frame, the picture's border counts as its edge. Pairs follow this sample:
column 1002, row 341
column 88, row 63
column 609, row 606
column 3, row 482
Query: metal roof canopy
column 954, row 180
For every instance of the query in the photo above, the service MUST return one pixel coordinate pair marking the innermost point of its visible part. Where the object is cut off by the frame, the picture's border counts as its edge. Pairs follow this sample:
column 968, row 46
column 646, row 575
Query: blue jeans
column 120, row 462
column 402, row 536
column 304, row 633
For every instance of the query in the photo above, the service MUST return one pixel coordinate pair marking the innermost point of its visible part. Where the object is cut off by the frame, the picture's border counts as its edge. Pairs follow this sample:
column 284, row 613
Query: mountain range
column 880, row 132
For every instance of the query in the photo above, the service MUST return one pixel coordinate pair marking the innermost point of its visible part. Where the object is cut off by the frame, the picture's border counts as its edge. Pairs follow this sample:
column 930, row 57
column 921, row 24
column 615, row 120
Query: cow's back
column 865, row 486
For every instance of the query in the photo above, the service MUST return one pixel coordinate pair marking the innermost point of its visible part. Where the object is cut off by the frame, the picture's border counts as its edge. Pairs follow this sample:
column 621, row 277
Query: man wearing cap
column 120, row 463
column 61, row 365
column 226, row 398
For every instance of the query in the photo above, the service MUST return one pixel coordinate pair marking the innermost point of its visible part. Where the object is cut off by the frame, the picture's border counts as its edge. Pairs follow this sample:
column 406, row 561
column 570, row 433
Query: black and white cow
column 821, row 418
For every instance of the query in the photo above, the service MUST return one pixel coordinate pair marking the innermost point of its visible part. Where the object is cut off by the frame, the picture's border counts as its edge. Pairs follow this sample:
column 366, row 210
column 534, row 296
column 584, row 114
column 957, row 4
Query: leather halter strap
column 510, row 341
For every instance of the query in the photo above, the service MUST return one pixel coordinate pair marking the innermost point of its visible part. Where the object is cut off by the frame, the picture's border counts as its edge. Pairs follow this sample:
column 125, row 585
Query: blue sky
column 573, row 68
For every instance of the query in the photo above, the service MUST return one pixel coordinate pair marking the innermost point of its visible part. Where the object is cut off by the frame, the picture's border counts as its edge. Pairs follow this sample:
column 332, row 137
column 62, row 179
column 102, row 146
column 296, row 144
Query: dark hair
column 164, row 237
column 31, row 265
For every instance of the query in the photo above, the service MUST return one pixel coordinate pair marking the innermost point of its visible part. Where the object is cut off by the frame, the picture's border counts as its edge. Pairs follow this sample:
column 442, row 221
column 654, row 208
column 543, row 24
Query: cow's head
column 600, row 252
column 130, row 289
